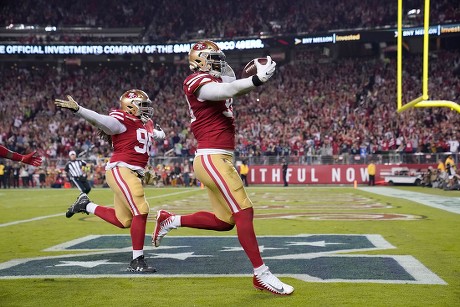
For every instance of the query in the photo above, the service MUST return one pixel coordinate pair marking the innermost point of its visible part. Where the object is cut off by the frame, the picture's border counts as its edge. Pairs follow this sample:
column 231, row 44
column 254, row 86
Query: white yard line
column 450, row 204
column 30, row 220
column 62, row 214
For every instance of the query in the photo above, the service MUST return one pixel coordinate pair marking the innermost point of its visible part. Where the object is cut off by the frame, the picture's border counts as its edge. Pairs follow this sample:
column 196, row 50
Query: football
column 250, row 68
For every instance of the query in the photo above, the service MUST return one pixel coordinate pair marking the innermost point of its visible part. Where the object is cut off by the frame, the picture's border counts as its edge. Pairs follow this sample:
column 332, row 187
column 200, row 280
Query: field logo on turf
column 312, row 258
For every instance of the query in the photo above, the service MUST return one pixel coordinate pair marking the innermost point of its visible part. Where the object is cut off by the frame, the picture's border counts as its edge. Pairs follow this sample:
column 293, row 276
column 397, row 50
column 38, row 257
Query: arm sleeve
column 215, row 91
column 4, row 152
column 9, row 154
column 106, row 123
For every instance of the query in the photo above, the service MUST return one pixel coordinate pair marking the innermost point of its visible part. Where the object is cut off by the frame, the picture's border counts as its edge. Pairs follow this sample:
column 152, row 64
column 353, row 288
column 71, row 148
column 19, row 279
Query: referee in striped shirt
column 75, row 173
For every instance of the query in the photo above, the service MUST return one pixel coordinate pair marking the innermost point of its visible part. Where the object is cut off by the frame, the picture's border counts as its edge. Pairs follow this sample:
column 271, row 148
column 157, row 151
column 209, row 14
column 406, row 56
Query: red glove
column 30, row 159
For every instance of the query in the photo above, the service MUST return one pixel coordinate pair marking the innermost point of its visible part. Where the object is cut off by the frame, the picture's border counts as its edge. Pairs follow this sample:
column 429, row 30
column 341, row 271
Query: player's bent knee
column 144, row 208
column 126, row 224
column 223, row 226
column 226, row 227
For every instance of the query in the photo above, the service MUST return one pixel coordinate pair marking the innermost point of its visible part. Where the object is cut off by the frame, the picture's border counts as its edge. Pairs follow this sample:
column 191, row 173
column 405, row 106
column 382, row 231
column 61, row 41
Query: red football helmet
column 208, row 57
column 137, row 103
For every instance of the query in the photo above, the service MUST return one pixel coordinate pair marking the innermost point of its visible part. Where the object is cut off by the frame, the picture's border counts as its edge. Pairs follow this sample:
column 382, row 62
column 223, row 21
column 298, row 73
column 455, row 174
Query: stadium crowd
column 184, row 20
column 314, row 106
column 338, row 108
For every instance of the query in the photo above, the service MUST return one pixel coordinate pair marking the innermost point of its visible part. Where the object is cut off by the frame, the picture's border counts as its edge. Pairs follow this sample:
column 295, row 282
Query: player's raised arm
column 219, row 91
column 206, row 57
column 106, row 123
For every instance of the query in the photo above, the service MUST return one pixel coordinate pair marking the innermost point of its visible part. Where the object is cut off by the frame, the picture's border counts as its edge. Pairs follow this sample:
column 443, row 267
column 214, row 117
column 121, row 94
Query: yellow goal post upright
column 422, row 101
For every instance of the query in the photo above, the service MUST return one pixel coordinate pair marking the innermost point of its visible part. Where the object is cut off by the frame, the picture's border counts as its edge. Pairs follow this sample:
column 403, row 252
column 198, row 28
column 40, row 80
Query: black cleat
column 139, row 265
column 78, row 206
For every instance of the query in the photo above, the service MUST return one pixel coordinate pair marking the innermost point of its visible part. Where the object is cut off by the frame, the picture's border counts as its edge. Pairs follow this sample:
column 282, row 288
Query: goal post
column 423, row 100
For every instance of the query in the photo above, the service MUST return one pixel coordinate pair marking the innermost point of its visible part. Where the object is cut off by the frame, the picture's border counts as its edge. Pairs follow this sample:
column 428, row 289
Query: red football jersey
column 212, row 122
column 133, row 145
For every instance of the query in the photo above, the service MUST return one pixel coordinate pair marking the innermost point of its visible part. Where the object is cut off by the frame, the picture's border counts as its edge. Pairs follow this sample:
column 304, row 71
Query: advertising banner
column 325, row 174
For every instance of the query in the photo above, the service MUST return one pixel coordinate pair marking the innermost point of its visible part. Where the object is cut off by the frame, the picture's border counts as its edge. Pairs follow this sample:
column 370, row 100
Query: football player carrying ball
column 209, row 91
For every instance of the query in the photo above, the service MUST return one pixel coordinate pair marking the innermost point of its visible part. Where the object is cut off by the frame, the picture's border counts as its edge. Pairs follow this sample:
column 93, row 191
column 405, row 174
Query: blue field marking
column 312, row 258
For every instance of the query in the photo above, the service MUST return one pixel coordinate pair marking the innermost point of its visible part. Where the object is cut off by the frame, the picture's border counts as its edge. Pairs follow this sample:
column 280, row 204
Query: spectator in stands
column 453, row 144
column 180, row 20
column 260, row 118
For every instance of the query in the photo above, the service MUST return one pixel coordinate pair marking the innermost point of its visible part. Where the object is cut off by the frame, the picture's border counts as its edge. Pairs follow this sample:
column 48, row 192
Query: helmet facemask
column 216, row 63
column 145, row 109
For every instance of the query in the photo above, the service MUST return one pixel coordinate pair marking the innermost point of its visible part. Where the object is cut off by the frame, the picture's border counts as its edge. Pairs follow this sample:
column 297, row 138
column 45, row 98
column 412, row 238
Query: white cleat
column 269, row 282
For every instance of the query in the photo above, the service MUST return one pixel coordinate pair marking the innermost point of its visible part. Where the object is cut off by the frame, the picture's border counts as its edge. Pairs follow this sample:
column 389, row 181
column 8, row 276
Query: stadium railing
column 391, row 158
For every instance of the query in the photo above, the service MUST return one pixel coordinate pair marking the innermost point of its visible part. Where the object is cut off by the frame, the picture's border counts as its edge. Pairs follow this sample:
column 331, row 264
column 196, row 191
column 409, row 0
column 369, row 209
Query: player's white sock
column 260, row 269
column 91, row 208
column 137, row 253
column 176, row 221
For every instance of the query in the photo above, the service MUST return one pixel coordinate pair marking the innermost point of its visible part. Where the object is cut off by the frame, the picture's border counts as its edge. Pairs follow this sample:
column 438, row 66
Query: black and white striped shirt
column 73, row 168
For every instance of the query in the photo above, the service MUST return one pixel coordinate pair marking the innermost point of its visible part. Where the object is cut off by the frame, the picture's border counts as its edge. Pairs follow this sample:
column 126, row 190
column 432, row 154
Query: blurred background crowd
column 315, row 110
column 167, row 20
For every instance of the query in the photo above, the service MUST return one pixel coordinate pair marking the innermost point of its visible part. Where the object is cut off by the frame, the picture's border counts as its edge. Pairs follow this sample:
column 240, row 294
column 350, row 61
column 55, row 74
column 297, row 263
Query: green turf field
column 421, row 268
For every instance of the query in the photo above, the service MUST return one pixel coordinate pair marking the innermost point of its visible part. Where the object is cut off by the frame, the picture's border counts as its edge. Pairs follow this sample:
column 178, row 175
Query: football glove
column 31, row 159
column 158, row 133
column 67, row 104
column 265, row 71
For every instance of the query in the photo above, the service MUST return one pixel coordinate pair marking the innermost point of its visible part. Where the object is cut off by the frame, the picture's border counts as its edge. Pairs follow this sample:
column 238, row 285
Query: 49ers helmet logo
column 199, row 46
column 132, row 95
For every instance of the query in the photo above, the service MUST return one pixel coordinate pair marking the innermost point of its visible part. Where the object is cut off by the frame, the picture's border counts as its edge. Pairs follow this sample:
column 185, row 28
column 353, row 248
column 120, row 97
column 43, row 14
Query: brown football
column 250, row 68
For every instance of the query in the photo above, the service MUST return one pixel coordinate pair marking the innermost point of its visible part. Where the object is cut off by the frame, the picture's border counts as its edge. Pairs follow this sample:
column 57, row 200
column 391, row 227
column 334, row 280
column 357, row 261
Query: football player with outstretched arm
column 131, row 131
column 27, row 158
column 209, row 91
